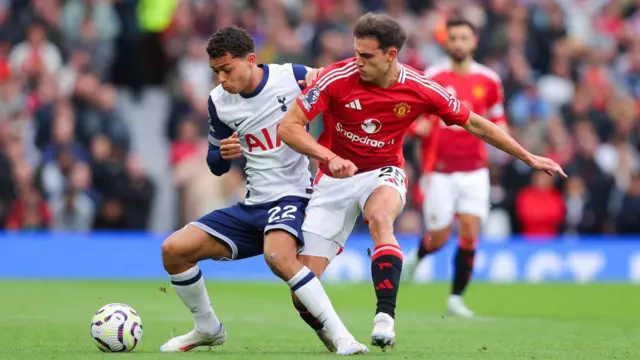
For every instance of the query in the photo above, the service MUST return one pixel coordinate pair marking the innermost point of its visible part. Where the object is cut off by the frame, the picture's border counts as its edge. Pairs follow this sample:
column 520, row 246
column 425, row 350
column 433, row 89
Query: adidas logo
column 385, row 284
column 355, row 104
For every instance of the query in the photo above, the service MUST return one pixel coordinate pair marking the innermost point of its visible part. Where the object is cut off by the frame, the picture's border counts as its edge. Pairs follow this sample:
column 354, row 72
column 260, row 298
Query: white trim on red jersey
column 337, row 74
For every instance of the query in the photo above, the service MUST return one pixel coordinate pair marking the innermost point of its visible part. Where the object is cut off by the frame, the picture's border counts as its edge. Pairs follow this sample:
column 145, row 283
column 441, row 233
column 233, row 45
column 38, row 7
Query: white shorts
column 456, row 193
column 336, row 204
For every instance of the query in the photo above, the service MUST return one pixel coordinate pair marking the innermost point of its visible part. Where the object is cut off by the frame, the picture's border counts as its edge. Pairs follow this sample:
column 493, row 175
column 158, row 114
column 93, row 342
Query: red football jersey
column 365, row 123
column 454, row 148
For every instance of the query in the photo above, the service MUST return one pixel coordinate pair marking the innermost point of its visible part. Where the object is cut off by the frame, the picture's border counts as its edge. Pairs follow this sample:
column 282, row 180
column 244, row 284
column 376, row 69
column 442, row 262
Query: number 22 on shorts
column 279, row 214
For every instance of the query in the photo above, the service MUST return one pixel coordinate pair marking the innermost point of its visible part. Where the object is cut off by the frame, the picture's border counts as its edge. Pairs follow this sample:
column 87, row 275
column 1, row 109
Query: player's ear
column 251, row 58
column 392, row 54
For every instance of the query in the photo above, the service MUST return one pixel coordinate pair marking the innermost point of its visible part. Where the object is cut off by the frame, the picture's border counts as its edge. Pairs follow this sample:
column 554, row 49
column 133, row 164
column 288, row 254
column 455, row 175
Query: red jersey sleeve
column 439, row 102
column 495, row 102
column 317, row 97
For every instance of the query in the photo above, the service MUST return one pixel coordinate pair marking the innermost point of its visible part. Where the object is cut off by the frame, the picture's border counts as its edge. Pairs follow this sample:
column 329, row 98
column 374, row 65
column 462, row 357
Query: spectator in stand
column 540, row 208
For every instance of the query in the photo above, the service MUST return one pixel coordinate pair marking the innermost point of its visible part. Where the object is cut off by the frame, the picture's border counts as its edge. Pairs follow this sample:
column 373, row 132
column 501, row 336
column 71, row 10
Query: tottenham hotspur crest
column 281, row 100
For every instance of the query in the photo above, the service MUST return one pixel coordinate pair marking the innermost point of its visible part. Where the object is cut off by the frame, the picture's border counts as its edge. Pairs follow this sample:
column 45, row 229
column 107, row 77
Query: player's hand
column 311, row 76
column 342, row 168
column 230, row 147
column 547, row 165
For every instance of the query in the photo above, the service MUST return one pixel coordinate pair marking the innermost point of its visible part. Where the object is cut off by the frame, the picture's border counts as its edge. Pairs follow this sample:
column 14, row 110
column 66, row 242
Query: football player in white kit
column 244, row 113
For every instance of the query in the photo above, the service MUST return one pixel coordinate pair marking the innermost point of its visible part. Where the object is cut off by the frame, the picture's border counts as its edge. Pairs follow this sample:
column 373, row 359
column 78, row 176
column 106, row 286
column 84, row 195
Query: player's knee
column 173, row 254
column 282, row 263
column 380, row 220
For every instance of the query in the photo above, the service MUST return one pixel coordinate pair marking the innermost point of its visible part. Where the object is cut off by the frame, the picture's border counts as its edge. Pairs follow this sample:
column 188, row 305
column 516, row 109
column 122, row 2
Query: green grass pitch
column 50, row 320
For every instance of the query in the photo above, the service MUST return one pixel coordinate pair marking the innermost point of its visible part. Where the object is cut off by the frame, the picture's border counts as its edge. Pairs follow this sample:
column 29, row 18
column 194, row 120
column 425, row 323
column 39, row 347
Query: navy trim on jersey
column 299, row 72
column 263, row 82
column 220, row 129
column 216, row 163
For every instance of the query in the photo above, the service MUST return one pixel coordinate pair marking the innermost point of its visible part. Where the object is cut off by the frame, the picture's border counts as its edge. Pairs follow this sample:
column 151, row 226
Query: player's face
column 234, row 74
column 461, row 42
column 373, row 63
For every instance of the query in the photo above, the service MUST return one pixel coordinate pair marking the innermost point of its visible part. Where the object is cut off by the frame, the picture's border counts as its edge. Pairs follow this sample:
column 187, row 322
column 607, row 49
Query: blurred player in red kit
column 456, row 178
column 368, row 102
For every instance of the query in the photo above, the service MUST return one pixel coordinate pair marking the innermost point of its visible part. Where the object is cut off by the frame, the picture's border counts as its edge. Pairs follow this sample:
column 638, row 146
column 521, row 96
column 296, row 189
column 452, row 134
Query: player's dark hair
column 231, row 39
column 381, row 27
column 461, row 22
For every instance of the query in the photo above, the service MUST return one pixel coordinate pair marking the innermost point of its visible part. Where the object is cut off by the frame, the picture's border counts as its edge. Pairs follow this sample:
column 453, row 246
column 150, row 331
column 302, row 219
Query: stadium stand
column 103, row 105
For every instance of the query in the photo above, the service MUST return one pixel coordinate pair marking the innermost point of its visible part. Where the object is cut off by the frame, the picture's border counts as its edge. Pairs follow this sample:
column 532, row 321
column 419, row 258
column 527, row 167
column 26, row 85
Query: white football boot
column 456, row 307
column 383, row 333
column 193, row 339
column 349, row 346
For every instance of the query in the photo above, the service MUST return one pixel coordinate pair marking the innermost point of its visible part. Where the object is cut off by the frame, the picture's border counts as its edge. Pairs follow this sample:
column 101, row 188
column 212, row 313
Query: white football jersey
column 273, row 169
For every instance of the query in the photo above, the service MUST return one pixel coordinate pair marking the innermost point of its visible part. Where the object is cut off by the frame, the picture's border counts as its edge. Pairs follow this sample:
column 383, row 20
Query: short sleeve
column 495, row 103
column 217, row 129
column 318, row 96
column 442, row 104
column 299, row 72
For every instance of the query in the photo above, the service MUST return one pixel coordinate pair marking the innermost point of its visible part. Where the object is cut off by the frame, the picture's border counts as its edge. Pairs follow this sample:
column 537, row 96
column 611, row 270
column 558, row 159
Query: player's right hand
column 547, row 165
column 342, row 168
column 230, row 147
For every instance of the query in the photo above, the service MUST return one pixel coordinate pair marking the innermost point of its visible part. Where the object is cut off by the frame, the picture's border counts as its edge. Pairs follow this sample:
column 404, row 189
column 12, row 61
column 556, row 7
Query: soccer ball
column 116, row 328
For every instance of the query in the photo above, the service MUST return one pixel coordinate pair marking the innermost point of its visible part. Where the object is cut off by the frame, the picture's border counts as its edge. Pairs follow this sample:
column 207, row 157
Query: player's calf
column 180, row 253
column 381, row 209
column 280, row 251
column 280, row 254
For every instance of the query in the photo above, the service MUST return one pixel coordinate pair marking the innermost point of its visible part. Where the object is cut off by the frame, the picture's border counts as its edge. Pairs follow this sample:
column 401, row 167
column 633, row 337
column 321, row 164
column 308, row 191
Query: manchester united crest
column 478, row 92
column 401, row 109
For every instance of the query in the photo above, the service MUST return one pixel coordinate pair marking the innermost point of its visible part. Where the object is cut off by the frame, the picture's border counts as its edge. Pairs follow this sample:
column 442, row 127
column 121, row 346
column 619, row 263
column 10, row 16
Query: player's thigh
column 333, row 208
column 237, row 227
column 439, row 203
column 382, row 199
column 191, row 244
column 283, row 234
column 473, row 198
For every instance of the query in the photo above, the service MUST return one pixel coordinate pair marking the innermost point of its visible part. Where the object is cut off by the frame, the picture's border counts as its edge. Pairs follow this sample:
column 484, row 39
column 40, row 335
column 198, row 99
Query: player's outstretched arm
column 492, row 134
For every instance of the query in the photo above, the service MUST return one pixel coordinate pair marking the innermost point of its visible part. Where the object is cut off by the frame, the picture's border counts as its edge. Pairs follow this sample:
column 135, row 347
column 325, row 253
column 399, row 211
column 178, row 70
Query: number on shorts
column 288, row 211
column 391, row 172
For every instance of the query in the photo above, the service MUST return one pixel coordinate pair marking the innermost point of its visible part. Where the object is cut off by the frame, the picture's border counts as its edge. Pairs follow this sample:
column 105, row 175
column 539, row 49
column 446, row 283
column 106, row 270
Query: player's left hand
column 311, row 76
column 547, row 165
column 342, row 168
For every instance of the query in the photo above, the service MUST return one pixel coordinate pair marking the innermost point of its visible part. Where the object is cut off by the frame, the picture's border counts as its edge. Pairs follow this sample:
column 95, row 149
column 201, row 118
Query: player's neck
column 390, row 77
column 461, row 67
column 256, row 79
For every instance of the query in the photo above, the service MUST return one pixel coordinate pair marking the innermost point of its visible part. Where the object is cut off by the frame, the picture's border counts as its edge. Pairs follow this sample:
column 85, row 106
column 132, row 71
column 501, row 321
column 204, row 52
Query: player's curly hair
column 381, row 27
column 231, row 39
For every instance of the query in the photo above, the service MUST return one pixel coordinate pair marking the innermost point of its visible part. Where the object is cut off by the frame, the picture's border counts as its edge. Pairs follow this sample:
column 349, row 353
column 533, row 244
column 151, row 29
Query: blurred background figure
column 103, row 118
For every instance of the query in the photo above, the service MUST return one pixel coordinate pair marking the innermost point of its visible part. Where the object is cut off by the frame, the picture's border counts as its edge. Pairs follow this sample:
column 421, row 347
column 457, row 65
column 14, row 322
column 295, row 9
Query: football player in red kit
column 368, row 102
column 455, row 177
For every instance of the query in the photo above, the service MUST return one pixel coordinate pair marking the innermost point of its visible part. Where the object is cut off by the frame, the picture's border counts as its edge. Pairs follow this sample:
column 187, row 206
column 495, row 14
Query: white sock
column 190, row 287
column 311, row 294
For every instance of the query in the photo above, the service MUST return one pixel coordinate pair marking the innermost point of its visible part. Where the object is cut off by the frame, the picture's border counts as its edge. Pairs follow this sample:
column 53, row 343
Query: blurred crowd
column 69, row 161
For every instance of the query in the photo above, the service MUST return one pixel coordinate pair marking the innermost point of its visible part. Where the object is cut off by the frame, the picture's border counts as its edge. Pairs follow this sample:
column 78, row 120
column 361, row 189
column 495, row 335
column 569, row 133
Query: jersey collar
column 263, row 82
